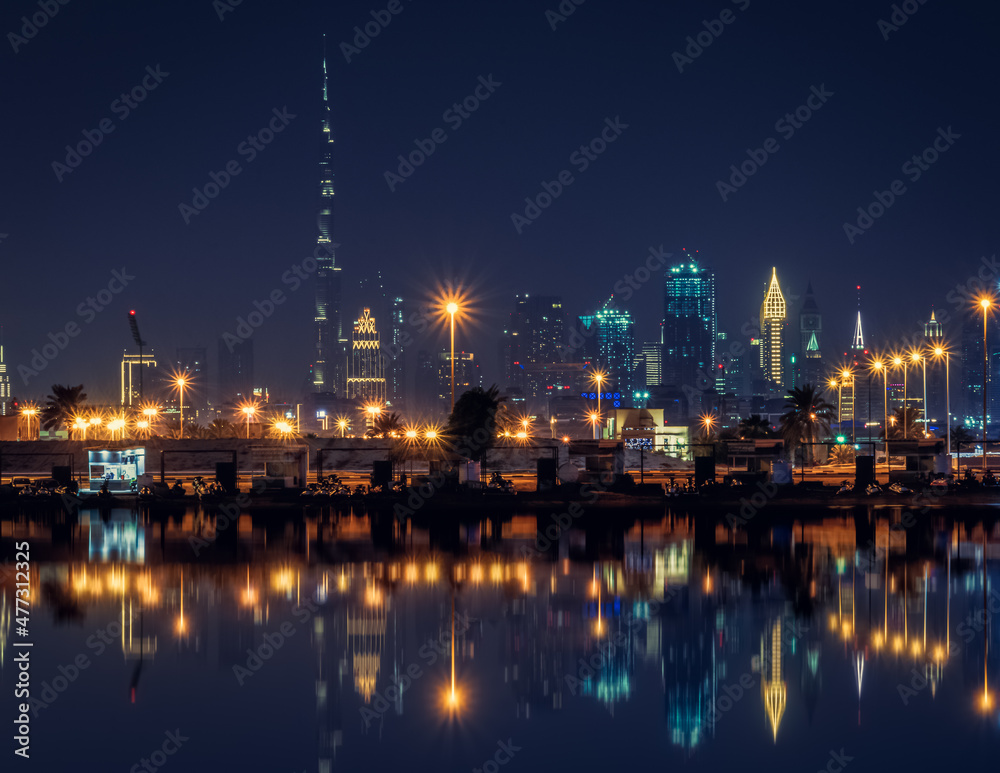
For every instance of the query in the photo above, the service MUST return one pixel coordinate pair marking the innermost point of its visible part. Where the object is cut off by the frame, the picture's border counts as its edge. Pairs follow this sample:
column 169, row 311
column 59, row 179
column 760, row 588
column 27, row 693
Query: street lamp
column 30, row 413
column 599, row 377
column 880, row 367
column 342, row 424
column 899, row 362
column 452, row 309
column 150, row 412
column 181, row 382
column 594, row 418
column 985, row 304
column 249, row 411
column 849, row 376
column 833, row 383
column 80, row 425
column 939, row 351
column 915, row 357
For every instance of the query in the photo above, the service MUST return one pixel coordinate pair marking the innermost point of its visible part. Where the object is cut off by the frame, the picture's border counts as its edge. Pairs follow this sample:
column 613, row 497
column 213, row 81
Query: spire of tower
column 859, row 339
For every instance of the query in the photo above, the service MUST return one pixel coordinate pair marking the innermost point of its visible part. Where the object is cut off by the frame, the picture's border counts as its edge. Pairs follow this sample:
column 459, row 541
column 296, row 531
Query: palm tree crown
column 63, row 405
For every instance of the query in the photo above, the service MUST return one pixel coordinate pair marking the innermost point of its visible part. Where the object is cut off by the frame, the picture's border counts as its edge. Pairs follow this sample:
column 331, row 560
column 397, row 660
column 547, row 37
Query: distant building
column 810, row 355
column 138, row 383
column 534, row 341
column 235, row 371
column 610, row 332
column 689, row 325
column 650, row 360
column 396, row 353
column 937, row 410
column 366, row 377
column 772, row 326
column 192, row 361
column 467, row 375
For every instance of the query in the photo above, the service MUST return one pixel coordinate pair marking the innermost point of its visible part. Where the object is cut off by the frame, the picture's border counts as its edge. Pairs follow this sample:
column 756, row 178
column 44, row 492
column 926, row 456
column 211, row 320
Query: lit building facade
column 810, row 357
column 773, row 313
column 466, row 375
column 137, row 385
column 533, row 344
column 5, row 391
column 689, row 325
column 611, row 334
column 366, row 381
column 331, row 342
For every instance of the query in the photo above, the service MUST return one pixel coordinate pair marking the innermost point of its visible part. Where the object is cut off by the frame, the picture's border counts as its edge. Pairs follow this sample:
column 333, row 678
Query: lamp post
column 30, row 414
column 840, row 405
column 249, row 411
column 452, row 309
column 986, row 304
column 939, row 352
column 899, row 362
column 181, row 383
column 342, row 423
column 881, row 368
column 598, row 378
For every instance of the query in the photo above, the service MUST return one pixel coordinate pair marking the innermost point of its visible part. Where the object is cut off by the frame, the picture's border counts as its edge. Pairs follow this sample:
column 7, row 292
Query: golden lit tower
column 366, row 381
column 772, row 324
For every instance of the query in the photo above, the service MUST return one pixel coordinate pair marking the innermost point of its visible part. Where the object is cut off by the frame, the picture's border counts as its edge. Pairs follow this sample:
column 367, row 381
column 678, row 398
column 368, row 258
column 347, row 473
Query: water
column 279, row 645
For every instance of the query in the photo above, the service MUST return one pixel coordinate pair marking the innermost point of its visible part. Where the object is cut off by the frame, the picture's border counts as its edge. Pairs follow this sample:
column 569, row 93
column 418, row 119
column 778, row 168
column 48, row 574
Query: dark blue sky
column 654, row 185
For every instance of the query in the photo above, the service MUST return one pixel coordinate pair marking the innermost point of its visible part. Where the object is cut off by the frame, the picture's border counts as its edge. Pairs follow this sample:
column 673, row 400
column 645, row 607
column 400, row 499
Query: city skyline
column 443, row 247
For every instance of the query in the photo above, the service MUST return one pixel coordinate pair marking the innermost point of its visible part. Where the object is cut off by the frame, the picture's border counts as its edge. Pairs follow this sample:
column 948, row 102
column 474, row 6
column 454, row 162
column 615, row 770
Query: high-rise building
column 611, row 332
column 533, row 344
column 366, row 379
column 772, row 326
column 937, row 410
column 396, row 388
column 467, row 375
column 810, row 355
column 689, row 325
column 5, row 392
column 138, row 385
column 192, row 362
column 651, row 361
column 329, row 370
column 235, row 371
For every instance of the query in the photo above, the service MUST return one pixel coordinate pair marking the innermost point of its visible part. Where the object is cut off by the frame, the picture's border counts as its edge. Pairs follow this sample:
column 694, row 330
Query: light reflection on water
column 286, row 643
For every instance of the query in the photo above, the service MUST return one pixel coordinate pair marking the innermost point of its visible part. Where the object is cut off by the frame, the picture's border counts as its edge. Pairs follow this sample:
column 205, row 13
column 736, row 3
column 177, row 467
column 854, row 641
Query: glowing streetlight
column 834, row 384
column 985, row 304
column 452, row 309
column 594, row 418
column 342, row 424
column 284, row 428
column 80, row 424
column 29, row 413
column 249, row 411
column 939, row 352
column 599, row 377
column 180, row 382
column 916, row 357
column 879, row 366
column 431, row 434
column 899, row 362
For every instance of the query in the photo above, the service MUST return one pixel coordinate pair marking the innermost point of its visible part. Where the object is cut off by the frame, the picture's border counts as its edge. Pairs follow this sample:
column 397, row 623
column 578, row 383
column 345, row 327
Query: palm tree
column 806, row 413
column 472, row 425
column 914, row 427
column 63, row 405
column 754, row 426
column 842, row 454
column 222, row 428
column 386, row 425
column 960, row 434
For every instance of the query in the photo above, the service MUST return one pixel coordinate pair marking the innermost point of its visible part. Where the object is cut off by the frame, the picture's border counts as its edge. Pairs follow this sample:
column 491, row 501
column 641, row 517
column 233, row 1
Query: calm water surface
column 305, row 643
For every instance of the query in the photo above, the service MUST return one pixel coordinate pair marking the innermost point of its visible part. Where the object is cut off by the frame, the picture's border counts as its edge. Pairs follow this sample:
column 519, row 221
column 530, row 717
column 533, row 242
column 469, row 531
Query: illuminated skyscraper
column 130, row 377
column 689, row 325
column 331, row 343
column 533, row 344
column 610, row 333
column 467, row 375
column 772, row 326
column 810, row 358
column 366, row 381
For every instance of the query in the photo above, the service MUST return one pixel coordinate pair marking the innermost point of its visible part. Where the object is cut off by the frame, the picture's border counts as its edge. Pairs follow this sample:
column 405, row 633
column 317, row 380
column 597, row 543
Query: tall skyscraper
column 235, row 371
column 651, row 359
column 467, row 376
column 329, row 371
column 810, row 356
column 611, row 332
column 689, row 325
column 396, row 388
column 366, row 381
column 5, row 392
column 772, row 326
column 937, row 410
column 533, row 340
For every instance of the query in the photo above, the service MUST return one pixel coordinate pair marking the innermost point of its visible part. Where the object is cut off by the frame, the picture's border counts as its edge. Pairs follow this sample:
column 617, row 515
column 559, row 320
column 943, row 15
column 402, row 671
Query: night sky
column 656, row 184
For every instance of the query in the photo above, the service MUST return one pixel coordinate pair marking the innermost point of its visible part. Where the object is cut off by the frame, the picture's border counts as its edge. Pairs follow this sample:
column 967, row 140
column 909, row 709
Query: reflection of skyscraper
column 774, row 689
column 366, row 635
column 331, row 343
column 689, row 325
column 772, row 326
